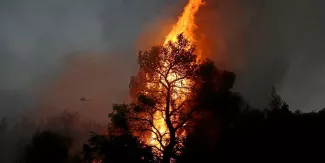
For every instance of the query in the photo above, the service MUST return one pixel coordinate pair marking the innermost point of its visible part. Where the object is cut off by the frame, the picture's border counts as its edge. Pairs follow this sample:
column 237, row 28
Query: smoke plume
column 42, row 43
column 79, row 54
column 264, row 42
column 268, row 43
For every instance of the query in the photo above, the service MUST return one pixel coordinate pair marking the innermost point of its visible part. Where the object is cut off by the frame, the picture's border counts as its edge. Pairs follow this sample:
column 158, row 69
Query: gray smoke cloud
column 37, row 37
column 291, row 35
column 264, row 42
column 267, row 43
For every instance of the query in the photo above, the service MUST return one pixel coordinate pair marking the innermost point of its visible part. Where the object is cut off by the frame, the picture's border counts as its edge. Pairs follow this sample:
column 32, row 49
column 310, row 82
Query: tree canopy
column 164, row 93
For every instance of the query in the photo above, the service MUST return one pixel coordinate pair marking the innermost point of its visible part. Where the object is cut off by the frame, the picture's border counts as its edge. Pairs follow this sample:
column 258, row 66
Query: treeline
column 219, row 125
column 18, row 139
column 275, row 133
column 261, row 135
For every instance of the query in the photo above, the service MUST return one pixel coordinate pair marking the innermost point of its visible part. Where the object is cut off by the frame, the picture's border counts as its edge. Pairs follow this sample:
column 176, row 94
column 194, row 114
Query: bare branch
column 146, row 120
column 182, row 87
column 179, row 107
column 153, row 126
column 151, row 146
column 186, row 118
column 181, row 78
column 163, row 83
column 159, row 139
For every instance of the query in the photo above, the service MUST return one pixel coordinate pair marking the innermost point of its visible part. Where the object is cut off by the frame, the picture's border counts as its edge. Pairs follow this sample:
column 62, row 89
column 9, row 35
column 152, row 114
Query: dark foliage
column 48, row 147
column 115, row 149
column 273, row 134
column 220, row 126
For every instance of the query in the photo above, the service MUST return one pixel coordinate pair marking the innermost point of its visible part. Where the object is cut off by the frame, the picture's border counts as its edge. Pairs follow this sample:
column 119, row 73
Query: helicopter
column 83, row 99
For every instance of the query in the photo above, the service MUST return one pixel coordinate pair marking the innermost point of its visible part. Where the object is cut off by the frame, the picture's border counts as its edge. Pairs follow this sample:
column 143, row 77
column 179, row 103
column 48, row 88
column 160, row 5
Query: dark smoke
column 265, row 42
column 269, row 43
column 36, row 38
column 53, row 53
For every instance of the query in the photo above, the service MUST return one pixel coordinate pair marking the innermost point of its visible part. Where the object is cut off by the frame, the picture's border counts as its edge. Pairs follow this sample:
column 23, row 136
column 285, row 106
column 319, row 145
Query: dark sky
column 49, row 45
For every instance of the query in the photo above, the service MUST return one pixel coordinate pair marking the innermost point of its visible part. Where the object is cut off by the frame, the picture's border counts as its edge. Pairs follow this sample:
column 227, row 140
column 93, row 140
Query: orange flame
column 186, row 22
column 186, row 26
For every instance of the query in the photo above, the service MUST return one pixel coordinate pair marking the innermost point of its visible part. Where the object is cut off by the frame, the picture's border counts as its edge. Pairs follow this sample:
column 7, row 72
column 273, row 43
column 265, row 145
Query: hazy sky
column 60, row 44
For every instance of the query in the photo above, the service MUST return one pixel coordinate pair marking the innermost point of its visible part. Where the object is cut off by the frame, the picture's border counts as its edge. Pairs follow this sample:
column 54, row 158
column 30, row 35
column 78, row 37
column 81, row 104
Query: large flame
column 186, row 26
column 186, row 22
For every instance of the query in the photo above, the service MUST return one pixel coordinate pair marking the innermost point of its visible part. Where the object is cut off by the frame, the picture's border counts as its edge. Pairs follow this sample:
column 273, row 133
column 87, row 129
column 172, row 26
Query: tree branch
column 181, row 78
column 159, row 140
column 186, row 118
column 150, row 122
column 181, row 87
column 151, row 146
column 179, row 107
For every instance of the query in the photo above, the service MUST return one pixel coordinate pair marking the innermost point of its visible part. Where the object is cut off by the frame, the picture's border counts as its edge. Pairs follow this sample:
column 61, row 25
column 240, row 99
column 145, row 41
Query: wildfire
column 186, row 26
column 186, row 22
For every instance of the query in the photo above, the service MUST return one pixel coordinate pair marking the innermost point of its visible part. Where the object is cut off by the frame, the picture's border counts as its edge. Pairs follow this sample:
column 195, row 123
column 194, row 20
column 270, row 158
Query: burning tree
column 164, row 90
column 164, row 98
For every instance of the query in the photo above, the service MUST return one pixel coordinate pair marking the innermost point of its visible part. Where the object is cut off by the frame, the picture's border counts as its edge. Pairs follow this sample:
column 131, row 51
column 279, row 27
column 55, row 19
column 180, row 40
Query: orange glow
column 186, row 22
column 186, row 26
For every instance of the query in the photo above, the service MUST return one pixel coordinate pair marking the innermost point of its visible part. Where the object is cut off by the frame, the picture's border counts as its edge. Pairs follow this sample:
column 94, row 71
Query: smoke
column 264, row 42
column 42, row 42
column 239, row 36
column 268, row 43
column 55, row 53
column 89, row 85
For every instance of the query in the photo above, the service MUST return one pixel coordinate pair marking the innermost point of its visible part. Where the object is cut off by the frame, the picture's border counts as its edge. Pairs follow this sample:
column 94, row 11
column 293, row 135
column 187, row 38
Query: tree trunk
column 168, row 151
column 167, row 154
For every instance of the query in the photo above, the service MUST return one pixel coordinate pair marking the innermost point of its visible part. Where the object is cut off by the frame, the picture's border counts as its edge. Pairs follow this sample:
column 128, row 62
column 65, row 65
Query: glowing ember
column 186, row 26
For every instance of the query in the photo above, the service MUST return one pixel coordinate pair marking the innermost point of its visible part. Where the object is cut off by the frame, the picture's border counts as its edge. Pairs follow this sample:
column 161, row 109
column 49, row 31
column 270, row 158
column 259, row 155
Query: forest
column 201, row 120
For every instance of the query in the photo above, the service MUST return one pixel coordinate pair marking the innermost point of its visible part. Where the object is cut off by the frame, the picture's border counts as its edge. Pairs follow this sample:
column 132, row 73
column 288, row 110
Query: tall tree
column 164, row 97
column 275, row 102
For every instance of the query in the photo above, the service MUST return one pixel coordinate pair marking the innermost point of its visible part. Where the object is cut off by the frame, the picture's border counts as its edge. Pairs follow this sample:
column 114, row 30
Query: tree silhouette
column 163, row 90
column 219, row 108
column 48, row 147
column 3, row 126
column 115, row 149
column 3, row 139
column 275, row 102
